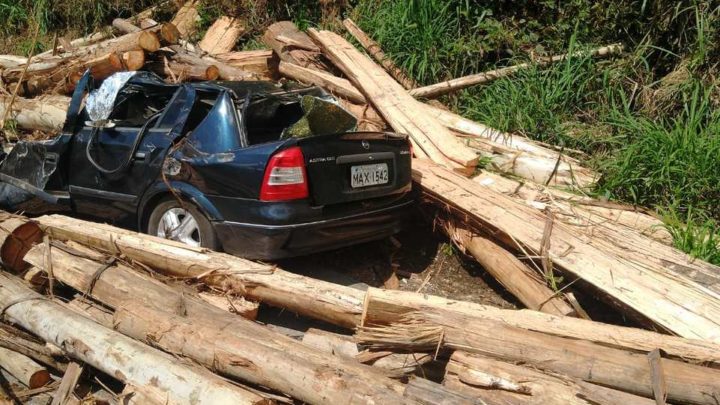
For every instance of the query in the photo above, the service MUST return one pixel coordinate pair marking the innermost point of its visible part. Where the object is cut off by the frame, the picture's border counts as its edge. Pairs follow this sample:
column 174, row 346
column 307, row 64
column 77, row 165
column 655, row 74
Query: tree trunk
column 654, row 281
column 449, row 86
column 125, row 26
column 80, row 267
column 226, row 72
column 116, row 355
column 185, row 71
column 317, row 299
column 23, row 368
column 272, row 360
column 482, row 376
column 610, row 367
column 222, row 35
column 45, row 113
column 374, row 50
column 395, row 104
column 383, row 307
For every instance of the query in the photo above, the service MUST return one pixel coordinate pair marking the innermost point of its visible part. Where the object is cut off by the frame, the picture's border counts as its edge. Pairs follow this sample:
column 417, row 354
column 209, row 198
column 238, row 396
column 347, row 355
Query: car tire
column 170, row 215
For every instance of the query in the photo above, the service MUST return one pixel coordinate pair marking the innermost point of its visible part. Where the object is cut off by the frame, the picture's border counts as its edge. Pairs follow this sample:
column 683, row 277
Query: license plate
column 368, row 175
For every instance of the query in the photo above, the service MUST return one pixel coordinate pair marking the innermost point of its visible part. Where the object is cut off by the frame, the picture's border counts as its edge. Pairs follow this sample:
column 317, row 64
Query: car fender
column 182, row 190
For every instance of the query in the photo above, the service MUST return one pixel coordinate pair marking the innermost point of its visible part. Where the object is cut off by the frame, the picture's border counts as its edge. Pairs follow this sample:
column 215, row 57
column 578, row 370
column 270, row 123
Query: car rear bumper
column 269, row 242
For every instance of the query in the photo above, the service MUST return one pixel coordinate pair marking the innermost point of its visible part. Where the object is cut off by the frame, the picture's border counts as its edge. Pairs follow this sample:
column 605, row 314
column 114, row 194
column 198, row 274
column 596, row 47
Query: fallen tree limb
column 114, row 354
column 449, row 86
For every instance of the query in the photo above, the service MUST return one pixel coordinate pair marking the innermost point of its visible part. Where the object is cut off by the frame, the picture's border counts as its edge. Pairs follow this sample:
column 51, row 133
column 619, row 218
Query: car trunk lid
column 356, row 166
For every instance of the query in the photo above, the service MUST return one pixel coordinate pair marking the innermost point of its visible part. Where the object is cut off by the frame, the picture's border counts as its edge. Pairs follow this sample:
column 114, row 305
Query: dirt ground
column 423, row 260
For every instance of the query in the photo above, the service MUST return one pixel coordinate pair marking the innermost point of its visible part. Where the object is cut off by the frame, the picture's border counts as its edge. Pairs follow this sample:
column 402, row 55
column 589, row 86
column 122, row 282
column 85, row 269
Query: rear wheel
column 183, row 223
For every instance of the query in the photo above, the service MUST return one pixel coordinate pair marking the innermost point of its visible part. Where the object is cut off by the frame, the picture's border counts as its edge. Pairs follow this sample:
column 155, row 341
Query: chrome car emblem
column 366, row 144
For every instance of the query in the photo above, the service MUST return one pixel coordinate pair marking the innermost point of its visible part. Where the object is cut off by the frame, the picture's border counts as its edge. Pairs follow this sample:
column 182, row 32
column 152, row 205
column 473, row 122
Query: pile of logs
column 91, row 312
column 155, row 321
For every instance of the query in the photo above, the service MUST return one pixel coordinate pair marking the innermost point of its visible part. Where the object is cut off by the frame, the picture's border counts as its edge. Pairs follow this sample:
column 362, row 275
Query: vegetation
column 649, row 121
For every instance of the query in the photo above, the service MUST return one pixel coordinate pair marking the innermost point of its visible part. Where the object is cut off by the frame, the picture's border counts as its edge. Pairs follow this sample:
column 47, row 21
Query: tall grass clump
column 669, row 161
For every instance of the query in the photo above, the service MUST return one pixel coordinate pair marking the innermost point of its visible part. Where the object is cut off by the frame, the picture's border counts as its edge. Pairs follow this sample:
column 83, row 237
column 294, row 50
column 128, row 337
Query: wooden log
column 515, row 154
column 236, row 305
column 79, row 267
column 185, row 71
column 521, row 281
column 294, row 46
column 384, row 307
column 125, row 26
column 10, row 339
column 374, row 50
column 89, row 39
column 17, row 235
column 121, row 357
column 396, row 365
column 133, row 60
column 429, row 393
column 11, row 61
column 317, row 299
column 480, row 375
column 186, row 19
column 67, row 384
column 222, row 35
column 226, row 72
column 45, row 113
column 394, row 103
column 651, row 286
column 259, row 62
column 28, row 372
column 282, row 364
column 602, row 365
column 449, row 86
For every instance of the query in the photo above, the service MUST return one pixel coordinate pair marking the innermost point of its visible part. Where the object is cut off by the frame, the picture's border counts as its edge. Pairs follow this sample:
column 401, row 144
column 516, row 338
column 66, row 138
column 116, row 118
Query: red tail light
column 285, row 177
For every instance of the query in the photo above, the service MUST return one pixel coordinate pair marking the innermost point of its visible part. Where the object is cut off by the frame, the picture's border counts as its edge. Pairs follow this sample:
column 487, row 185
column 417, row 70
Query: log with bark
column 27, row 371
column 399, row 109
column 497, row 381
column 185, row 71
column 654, row 284
column 222, row 35
column 17, row 236
column 374, row 50
column 317, row 299
column 45, row 113
column 112, row 282
column 116, row 355
column 449, row 86
column 243, row 350
column 385, row 307
column 226, row 72
column 606, row 366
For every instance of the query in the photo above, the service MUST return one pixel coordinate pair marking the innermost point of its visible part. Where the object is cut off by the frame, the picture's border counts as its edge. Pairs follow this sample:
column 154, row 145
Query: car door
column 112, row 166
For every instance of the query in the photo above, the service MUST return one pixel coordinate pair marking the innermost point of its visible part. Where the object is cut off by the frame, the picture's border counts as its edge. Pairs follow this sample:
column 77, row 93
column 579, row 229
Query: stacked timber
column 474, row 353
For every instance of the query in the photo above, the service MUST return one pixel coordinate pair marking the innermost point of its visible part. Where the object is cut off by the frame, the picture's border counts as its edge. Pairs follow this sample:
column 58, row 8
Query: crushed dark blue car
column 252, row 168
